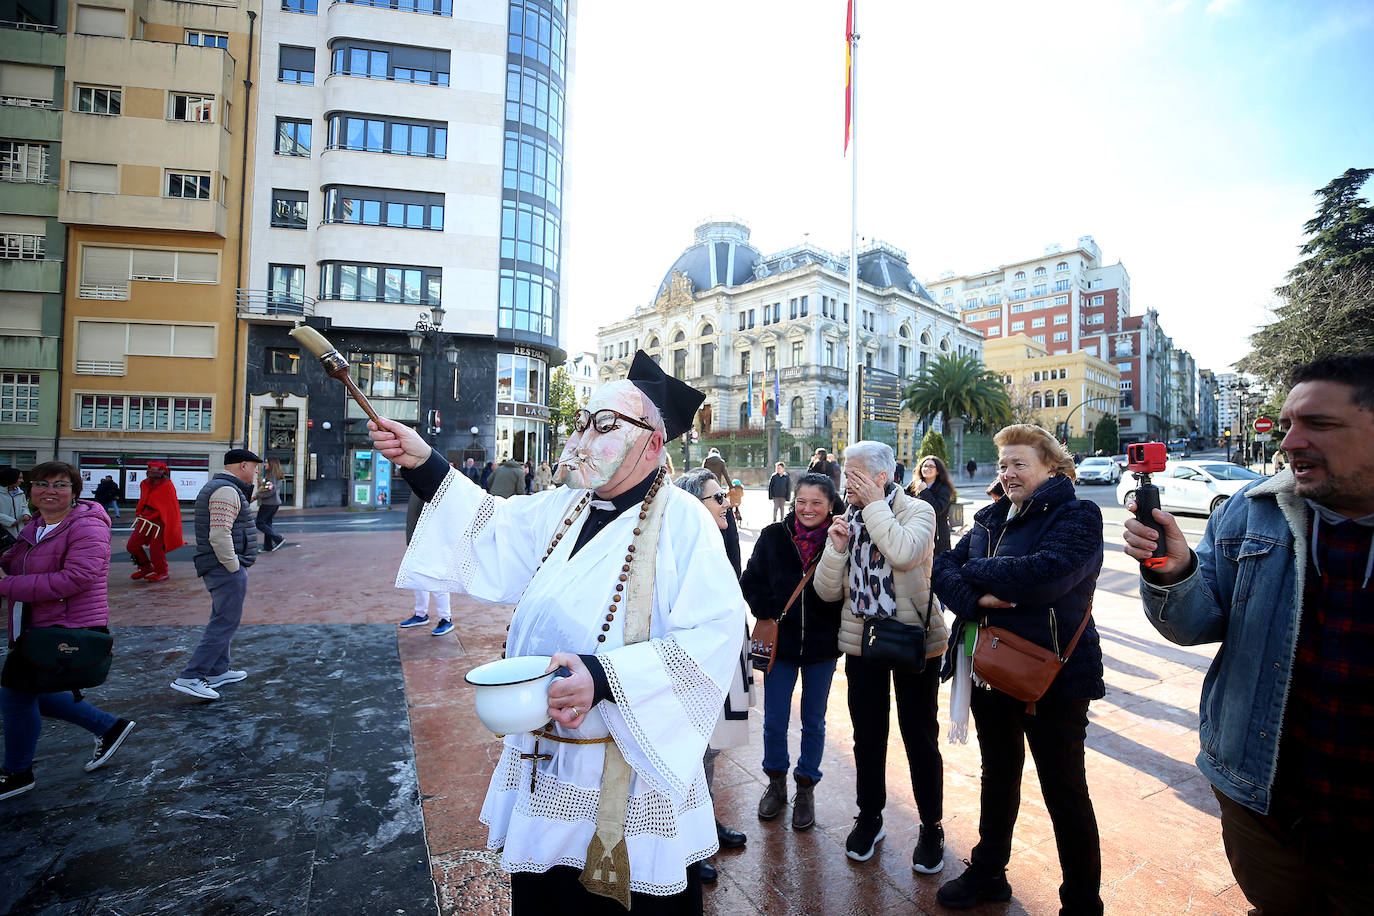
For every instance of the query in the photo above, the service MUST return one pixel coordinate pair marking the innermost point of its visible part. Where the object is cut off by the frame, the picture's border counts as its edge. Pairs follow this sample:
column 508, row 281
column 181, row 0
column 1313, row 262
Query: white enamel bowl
column 512, row 694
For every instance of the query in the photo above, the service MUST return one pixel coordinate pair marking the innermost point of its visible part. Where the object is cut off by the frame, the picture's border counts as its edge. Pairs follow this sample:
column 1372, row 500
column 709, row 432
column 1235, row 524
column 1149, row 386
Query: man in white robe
column 567, row 566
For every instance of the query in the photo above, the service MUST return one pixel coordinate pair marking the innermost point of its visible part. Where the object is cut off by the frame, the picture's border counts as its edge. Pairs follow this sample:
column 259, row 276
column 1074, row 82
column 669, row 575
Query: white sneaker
column 229, row 677
column 196, row 687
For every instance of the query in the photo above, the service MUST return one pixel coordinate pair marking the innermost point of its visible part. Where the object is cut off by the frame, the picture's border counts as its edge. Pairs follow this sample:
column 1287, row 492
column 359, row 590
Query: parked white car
column 1192, row 486
column 1098, row 470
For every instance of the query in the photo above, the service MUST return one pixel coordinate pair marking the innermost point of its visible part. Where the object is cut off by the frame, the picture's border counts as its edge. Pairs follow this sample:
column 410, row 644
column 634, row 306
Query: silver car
column 1192, row 486
column 1098, row 470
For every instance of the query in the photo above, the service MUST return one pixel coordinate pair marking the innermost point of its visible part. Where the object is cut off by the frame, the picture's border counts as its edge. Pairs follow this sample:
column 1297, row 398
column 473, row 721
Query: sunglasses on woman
column 718, row 497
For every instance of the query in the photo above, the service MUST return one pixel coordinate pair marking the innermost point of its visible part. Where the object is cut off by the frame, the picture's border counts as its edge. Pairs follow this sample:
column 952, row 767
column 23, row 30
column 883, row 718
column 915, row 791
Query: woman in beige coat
column 887, row 573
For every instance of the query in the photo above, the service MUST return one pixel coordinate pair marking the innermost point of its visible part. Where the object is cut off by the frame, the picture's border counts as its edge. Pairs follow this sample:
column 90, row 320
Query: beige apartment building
column 1059, row 389
column 154, row 140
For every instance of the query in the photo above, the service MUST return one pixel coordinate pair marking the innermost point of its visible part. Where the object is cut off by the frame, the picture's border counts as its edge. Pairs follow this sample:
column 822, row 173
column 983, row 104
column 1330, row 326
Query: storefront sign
column 529, row 411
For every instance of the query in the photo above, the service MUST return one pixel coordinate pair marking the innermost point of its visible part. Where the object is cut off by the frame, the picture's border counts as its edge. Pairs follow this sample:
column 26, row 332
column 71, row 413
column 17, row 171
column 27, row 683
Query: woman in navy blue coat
column 1030, row 564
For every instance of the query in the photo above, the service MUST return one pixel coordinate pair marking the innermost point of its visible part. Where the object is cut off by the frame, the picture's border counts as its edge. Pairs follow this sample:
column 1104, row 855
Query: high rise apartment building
column 32, row 66
column 154, row 131
column 1066, row 300
column 407, row 202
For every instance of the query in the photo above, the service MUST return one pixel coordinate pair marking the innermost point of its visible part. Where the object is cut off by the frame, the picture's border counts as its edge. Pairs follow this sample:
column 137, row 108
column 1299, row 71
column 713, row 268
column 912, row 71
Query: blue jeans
column 23, row 716
column 778, row 685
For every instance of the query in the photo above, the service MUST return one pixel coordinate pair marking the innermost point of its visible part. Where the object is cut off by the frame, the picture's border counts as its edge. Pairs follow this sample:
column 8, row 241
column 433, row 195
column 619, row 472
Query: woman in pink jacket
column 57, row 573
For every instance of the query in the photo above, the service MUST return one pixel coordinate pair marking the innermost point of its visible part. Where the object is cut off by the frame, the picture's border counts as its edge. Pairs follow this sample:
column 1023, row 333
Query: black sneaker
column 108, row 743
column 865, row 835
column 973, row 887
column 12, row 784
column 929, row 855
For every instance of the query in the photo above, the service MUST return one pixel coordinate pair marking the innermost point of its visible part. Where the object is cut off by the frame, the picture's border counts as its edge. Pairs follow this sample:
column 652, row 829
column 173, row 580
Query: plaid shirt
column 1325, row 785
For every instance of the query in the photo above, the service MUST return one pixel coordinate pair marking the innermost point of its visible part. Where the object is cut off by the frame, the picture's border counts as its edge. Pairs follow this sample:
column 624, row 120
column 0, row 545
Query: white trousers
column 441, row 603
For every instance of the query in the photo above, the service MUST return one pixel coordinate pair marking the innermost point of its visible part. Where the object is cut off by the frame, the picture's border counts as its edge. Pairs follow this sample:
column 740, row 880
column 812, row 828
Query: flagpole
column 855, row 409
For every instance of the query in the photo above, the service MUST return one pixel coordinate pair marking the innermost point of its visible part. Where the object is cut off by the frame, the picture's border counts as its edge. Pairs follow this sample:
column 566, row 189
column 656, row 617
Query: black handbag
column 54, row 659
column 900, row 646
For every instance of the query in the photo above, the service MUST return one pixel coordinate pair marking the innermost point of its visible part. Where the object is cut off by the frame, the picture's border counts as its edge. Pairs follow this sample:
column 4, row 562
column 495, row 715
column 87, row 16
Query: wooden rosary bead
column 610, row 617
column 601, row 638
column 615, row 597
column 620, row 588
column 624, row 578
column 605, row 627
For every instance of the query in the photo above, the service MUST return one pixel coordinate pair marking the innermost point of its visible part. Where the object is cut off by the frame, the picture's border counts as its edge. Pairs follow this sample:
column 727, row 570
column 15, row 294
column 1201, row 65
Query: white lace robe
column 667, row 691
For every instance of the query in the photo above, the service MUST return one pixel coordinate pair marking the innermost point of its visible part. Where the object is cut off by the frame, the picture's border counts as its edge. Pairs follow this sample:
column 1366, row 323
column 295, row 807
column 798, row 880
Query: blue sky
column 1186, row 137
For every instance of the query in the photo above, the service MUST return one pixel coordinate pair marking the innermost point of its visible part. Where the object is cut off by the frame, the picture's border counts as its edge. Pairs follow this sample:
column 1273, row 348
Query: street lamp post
column 429, row 328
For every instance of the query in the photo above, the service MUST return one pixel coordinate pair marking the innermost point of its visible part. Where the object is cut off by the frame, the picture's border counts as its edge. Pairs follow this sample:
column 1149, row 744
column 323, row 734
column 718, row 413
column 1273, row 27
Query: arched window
column 1062, row 265
column 795, row 418
column 707, row 330
column 925, row 338
column 904, row 331
column 1035, row 400
column 678, row 337
column 653, row 343
column 1049, row 398
column 1020, row 275
column 1063, row 398
column 829, row 407
column 1040, row 271
column 744, row 415
column 944, row 344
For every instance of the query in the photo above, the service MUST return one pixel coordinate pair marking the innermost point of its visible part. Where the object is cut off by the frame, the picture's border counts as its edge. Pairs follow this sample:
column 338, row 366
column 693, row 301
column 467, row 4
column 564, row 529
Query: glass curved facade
column 532, row 177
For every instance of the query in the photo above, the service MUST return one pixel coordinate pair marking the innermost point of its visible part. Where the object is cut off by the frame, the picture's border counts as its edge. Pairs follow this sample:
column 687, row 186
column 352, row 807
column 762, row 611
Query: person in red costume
column 157, row 524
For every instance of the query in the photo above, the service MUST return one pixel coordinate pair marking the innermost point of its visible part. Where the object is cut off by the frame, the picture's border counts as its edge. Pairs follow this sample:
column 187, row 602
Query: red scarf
column 809, row 541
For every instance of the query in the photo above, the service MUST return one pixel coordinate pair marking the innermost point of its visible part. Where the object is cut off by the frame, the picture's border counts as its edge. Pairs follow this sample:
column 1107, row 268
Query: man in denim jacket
column 1281, row 579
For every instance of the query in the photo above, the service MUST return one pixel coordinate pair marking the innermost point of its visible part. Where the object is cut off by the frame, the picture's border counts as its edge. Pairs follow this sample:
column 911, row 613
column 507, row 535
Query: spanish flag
column 848, row 69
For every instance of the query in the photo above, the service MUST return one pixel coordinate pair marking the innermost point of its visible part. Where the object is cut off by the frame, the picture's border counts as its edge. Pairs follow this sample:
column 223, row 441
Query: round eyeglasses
column 603, row 421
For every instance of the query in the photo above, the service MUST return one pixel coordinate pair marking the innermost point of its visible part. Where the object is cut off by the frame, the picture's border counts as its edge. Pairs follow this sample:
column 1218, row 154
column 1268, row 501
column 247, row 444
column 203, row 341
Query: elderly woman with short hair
column 878, row 560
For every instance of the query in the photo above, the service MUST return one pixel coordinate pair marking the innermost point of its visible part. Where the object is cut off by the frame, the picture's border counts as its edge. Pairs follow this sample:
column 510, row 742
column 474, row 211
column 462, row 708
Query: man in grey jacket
column 226, row 546
column 1281, row 579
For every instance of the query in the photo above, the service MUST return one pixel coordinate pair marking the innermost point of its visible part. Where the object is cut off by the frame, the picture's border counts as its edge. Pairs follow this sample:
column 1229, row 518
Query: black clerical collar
column 633, row 496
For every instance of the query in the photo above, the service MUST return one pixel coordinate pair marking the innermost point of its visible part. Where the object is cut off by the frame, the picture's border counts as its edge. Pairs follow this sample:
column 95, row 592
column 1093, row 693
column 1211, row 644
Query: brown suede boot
column 803, row 805
column 774, row 797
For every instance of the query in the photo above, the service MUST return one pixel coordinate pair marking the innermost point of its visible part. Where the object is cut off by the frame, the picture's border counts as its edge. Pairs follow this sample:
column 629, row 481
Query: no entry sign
column 1263, row 424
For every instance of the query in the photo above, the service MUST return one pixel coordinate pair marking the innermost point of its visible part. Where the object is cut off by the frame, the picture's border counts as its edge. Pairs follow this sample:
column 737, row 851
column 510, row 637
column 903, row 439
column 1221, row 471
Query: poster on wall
column 383, row 471
column 187, row 482
column 360, row 494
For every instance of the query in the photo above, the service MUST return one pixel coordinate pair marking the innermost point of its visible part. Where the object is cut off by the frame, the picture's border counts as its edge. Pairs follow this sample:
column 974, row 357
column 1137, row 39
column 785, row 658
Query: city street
column 349, row 769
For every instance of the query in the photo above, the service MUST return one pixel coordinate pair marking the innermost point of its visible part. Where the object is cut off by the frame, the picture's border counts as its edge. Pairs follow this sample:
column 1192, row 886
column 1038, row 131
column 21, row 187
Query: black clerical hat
column 674, row 398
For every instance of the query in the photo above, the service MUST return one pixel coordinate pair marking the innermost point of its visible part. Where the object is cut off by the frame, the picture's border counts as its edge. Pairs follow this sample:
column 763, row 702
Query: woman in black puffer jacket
column 1030, row 564
column 807, row 644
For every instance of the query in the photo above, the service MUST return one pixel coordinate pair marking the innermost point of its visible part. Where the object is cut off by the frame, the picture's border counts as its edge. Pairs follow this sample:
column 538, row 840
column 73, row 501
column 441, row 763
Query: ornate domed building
column 739, row 325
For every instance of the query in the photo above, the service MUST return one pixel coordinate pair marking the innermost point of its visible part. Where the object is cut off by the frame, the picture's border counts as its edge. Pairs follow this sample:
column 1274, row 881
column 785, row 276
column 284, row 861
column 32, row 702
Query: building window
column 829, row 353
column 770, row 359
column 1039, row 338
column 529, row 233
column 98, row 100
column 1061, row 336
column 1061, row 285
column 198, row 108
column 384, row 207
column 19, row 397
column 299, row 6
column 708, row 359
column 1020, row 275
column 296, row 65
column 529, row 301
column 398, row 63
column 744, row 362
column 288, row 209
column 146, row 414
column 386, row 375
column 293, row 137
column 535, row 35
column 804, row 305
column 282, row 361
column 1017, row 295
column 207, row 39
column 428, row 7
column 1063, row 398
column 1062, row 265
column 532, row 167
column 380, row 283
column 1098, row 300
column 1096, row 318
column 1018, row 325
column 22, row 246
column 1038, row 322
column 191, row 185
column 23, row 162
column 994, row 331
column 396, row 136
column 1038, row 290
column 1061, row 319
column 792, row 308
column 533, row 99
column 1040, row 271
column 794, row 418
column 796, row 353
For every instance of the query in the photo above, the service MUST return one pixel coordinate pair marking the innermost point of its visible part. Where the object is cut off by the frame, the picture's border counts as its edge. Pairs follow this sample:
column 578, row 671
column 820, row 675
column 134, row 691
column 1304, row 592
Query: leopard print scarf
column 872, row 588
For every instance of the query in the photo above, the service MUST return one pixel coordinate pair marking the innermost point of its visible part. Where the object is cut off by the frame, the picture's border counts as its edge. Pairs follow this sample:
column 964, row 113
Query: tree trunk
column 956, row 427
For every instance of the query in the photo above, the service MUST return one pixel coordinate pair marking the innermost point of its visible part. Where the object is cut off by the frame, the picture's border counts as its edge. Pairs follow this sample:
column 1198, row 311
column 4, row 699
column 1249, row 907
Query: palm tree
column 959, row 388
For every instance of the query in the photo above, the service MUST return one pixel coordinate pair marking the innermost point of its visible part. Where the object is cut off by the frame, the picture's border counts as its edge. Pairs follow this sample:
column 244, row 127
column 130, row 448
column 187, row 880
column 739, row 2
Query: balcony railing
column 99, row 367
column 21, row 101
column 28, row 26
column 92, row 291
column 273, row 303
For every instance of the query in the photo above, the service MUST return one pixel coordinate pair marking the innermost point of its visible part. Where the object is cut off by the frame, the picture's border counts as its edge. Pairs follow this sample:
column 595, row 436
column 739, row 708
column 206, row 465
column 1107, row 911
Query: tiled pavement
column 1161, row 842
